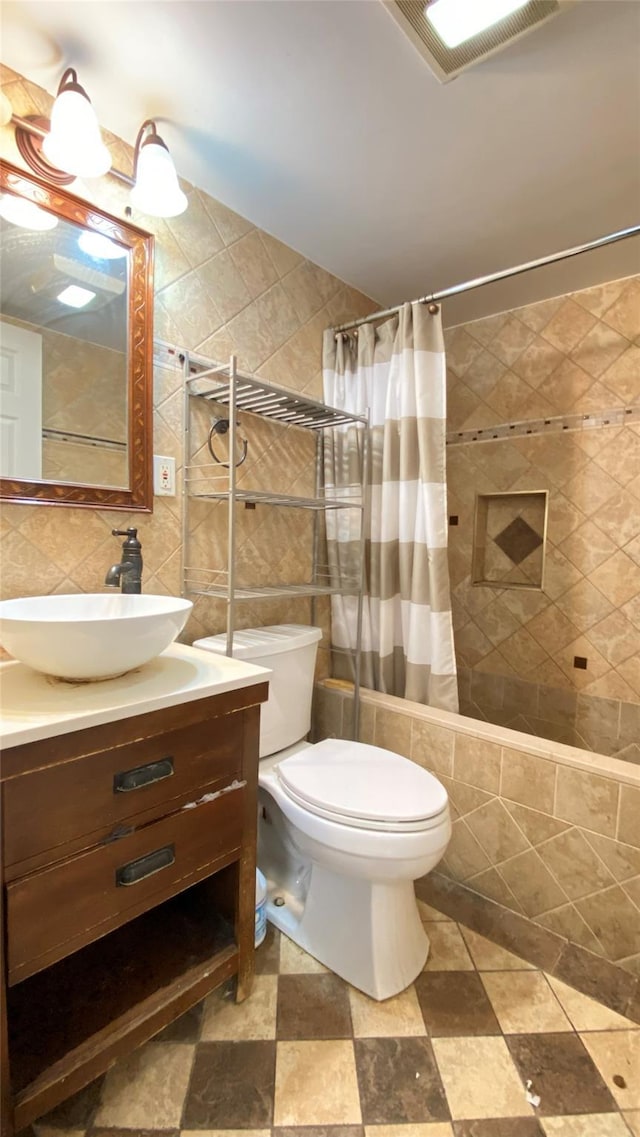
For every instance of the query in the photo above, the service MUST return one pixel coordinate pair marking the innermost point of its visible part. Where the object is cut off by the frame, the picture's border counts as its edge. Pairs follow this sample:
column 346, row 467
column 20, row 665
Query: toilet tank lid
column 256, row 643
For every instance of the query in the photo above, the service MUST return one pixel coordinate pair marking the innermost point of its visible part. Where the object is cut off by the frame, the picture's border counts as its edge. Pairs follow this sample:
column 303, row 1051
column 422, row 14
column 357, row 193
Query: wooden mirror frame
column 139, row 494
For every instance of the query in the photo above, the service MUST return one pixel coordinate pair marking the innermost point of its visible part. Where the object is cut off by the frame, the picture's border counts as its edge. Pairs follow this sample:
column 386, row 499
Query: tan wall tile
column 623, row 377
column 532, row 883
column 574, row 864
column 489, row 883
column 587, row 800
column 465, row 798
column 327, row 713
column 629, row 820
column 496, row 831
column 568, row 922
column 464, row 856
column 393, row 731
column 621, row 860
column 536, row 826
column 614, row 920
column 432, row 747
column 568, row 326
column 477, row 762
column 618, row 578
column 367, row 723
column 528, row 780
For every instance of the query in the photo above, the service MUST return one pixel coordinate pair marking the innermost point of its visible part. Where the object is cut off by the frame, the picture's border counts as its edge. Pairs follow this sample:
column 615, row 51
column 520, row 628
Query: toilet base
column 367, row 932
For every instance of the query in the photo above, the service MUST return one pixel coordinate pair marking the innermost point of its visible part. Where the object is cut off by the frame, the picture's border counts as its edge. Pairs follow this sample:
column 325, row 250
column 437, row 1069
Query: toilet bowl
column 344, row 828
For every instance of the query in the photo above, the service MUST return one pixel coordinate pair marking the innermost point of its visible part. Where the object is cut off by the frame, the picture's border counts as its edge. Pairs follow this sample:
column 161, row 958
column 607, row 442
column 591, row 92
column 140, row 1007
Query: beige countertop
column 35, row 706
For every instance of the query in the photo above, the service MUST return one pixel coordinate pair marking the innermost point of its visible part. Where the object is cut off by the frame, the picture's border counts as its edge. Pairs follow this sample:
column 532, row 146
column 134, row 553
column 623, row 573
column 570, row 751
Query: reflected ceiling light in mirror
column 100, row 247
column 156, row 190
column 456, row 21
column 75, row 297
column 74, row 143
column 25, row 213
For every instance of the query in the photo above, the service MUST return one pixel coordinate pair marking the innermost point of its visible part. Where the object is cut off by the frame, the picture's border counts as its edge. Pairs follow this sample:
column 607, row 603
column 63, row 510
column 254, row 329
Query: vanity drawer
column 82, row 802
column 58, row 910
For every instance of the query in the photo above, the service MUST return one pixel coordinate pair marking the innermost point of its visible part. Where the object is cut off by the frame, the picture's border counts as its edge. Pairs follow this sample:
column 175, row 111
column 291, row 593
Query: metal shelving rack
column 225, row 385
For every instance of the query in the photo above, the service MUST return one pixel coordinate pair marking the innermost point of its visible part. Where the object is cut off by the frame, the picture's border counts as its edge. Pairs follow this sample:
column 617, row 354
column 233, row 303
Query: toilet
column 344, row 828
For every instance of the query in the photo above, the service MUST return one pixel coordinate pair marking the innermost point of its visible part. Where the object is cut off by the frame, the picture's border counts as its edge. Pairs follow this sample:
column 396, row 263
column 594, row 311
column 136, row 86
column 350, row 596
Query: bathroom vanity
column 128, row 862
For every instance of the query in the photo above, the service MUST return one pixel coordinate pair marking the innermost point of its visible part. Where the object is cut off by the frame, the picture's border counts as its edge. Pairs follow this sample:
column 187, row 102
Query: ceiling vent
column 448, row 62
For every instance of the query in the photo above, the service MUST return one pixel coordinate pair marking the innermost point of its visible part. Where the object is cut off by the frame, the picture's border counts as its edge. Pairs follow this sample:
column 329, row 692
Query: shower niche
column 509, row 539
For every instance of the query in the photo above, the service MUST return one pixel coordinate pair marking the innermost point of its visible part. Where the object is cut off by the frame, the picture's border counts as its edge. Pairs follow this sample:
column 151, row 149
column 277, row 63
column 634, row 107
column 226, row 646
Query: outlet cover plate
column 164, row 476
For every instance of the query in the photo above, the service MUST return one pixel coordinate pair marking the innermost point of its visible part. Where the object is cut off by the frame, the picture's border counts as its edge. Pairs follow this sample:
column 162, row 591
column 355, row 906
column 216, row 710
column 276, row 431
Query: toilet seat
column 363, row 786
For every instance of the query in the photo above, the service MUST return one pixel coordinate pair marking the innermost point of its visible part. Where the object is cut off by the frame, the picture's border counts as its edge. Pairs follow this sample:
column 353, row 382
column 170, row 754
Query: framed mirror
column 76, row 350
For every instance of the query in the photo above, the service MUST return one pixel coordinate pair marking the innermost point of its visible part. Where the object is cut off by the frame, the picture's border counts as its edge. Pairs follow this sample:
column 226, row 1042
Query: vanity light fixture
column 25, row 213
column 156, row 190
column 75, row 296
column 71, row 146
column 74, row 143
column 456, row 21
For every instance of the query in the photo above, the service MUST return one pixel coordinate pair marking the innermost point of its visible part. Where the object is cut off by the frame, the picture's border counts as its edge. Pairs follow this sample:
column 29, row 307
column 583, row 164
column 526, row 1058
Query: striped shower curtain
column 397, row 372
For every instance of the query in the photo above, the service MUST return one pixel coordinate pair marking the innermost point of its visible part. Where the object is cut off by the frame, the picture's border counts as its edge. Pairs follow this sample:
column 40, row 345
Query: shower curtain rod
column 494, row 276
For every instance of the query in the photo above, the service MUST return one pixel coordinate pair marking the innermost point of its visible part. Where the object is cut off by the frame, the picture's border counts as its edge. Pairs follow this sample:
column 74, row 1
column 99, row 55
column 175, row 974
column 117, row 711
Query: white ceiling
column 318, row 121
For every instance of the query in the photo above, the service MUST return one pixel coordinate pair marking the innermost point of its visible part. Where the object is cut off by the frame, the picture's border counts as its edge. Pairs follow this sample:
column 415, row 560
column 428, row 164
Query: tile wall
column 567, row 363
column 548, row 832
column 221, row 286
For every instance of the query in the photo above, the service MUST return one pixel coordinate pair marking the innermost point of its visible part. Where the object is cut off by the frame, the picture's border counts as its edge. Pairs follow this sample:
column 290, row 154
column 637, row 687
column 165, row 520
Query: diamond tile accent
column 518, row 540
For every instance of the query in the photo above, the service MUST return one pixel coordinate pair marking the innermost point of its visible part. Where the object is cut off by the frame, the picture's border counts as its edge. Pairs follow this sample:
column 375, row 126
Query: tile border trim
column 618, row 416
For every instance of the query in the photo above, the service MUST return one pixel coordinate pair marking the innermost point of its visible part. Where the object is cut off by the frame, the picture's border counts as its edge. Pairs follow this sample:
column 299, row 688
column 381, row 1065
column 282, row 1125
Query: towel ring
column 221, row 426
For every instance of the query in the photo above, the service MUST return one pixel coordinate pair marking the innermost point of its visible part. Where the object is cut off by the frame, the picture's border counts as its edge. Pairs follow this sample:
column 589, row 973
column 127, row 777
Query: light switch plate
column 164, row 476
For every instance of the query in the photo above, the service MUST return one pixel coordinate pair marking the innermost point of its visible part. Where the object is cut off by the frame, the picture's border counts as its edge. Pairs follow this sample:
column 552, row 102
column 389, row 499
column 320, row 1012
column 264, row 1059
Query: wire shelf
column 265, row 497
column 215, row 582
column 259, row 397
column 266, row 592
column 224, row 385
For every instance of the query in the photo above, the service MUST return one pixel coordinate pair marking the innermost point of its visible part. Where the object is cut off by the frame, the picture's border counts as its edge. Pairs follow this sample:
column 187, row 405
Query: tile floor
column 309, row 1056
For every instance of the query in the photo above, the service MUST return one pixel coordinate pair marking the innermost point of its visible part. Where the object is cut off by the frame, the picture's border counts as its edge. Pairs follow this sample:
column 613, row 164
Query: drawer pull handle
column 141, row 776
column 145, row 866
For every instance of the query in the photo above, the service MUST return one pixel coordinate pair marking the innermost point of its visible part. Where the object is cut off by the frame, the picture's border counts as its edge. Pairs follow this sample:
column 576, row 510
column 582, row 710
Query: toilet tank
column 289, row 650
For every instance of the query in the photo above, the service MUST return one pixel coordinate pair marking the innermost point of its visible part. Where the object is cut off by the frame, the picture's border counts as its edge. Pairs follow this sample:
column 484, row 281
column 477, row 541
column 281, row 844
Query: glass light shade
column 456, row 21
column 73, row 143
column 25, row 213
column 157, row 191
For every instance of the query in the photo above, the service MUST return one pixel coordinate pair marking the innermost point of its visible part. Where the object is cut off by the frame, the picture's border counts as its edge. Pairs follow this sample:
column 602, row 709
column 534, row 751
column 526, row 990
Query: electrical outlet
column 164, row 476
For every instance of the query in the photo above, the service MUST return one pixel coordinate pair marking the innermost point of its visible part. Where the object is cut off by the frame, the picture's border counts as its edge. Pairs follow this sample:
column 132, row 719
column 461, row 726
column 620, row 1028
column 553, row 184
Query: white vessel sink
column 89, row 636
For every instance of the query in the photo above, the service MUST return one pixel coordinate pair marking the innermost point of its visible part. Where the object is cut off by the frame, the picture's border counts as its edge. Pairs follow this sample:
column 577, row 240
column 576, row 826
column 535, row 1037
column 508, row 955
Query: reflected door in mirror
column 20, row 402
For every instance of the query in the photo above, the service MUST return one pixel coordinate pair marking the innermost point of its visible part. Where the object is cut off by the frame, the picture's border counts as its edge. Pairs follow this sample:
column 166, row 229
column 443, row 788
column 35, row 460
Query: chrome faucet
column 128, row 574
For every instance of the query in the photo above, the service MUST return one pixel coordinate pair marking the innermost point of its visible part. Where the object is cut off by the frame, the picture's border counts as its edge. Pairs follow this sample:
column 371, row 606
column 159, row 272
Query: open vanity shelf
column 74, row 1015
column 128, row 875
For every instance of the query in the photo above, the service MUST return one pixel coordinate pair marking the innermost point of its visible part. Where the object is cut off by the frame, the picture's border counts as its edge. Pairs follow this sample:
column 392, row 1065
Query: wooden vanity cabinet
column 128, row 885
